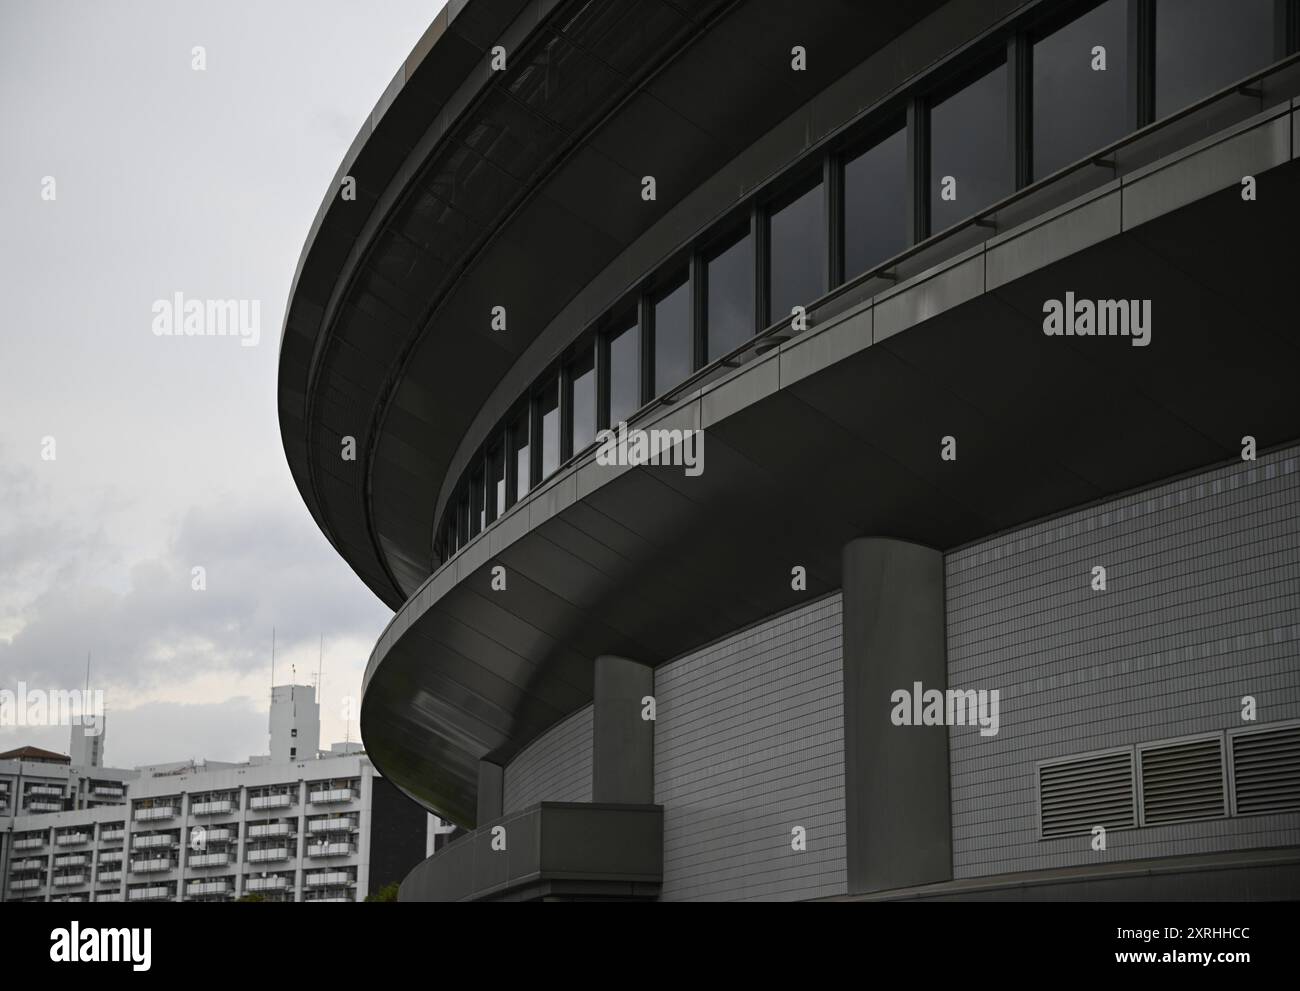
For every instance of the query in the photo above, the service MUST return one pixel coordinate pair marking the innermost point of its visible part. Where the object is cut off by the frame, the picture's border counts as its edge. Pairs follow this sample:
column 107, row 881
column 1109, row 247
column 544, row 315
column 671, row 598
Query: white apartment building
column 326, row 827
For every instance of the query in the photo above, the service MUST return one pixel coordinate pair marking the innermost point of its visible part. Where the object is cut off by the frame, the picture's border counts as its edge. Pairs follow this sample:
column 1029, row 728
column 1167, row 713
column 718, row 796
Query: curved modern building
column 823, row 449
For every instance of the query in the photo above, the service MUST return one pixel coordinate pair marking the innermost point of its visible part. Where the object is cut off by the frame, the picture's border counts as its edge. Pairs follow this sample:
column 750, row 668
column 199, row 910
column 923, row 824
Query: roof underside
column 478, row 189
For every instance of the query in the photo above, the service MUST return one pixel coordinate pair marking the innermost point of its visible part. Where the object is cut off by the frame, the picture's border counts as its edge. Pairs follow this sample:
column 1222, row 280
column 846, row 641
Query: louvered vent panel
column 1079, row 794
column 1182, row 781
column 1266, row 770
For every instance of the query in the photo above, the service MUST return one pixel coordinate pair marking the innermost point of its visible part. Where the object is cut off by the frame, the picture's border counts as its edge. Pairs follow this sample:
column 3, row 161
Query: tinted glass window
column 1205, row 45
column 969, row 167
column 1080, row 107
column 477, row 504
column 796, row 254
column 582, row 398
column 521, row 453
column 672, row 330
column 730, row 279
column 496, row 465
column 548, row 409
column 875, row 204
column 624, row 374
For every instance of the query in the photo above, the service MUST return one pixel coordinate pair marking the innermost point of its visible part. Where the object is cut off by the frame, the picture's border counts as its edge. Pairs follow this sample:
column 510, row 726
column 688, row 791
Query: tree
column 388, row 893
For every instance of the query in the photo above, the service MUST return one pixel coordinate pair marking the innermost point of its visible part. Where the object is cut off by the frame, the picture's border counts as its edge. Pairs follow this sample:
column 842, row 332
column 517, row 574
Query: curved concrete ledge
column 837, row 433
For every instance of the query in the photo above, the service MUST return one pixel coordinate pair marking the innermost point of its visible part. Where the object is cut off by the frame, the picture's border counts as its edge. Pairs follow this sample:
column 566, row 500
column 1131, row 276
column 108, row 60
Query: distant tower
column 295, row 723
column 87, row 746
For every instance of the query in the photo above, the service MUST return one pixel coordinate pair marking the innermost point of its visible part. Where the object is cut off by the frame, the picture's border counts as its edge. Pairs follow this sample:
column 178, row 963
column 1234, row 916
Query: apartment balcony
column 269, row 829
column 109, row 856
column 331, row 850
column 270, row 802
column 266, row 884
column 157, row 893
column 31, row 864
column 217, row 834
column 70, row 898
column 331, row 826
column 107, row 896
column 68, row 880
column 44, row 806
column 26, row 884
column 108, row 877
column 222, row 887
column 324, row 879
column 209, row 860
column 71, row 860
column 158, row 865
column 32, row 843
column 267, row 856
column 46, row 790
column 150, row 842
column 71, row 839
column 112, row 835
column 218, row 808
column 108, row 791
column 331, row 796
column 155, row 813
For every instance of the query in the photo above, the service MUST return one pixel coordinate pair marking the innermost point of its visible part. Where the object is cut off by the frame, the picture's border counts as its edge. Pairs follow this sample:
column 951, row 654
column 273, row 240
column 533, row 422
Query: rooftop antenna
column 268, row 713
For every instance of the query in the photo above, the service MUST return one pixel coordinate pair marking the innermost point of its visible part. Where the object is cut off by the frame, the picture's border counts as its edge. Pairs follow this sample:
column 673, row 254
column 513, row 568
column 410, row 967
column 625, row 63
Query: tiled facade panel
column 1201, row 607
column 556, row 767
column 749, row 743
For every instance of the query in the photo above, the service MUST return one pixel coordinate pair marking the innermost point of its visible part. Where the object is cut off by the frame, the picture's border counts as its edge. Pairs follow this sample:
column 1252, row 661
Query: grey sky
column 167, row 449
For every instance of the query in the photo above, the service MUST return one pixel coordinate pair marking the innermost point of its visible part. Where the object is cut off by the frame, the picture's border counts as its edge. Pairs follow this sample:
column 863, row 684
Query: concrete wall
column 749, row 744
column 1202, row 607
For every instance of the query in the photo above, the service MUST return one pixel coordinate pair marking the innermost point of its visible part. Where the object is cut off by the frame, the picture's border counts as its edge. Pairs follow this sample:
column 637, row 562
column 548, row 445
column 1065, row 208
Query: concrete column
column 899, row 828
column 491, row 792
column 622, row 754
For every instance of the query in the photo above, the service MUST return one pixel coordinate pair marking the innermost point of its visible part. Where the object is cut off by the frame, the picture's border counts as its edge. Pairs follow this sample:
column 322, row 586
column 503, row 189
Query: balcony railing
column 31, row 864
column 110, row 856
column 209, row 859
column 71, row 839
column 152, row 894
column 150, row 842
column 331, row 850
column 208, row 888
column 105, row 877
column 265, row 856
column 269, row 829
column 108, row 791
column 31, row 843
column 217, row 808
column 217, row 834
column 155, row 813
column 266, row 884
column 156, row 866
column 71, row 860
column 326, row 878
column 26, row 884
column 43, row 806
column 111, row 835
column 68, row 880
column 331, row 796
column 54, row 790
column 270, row 802
column 330, row 826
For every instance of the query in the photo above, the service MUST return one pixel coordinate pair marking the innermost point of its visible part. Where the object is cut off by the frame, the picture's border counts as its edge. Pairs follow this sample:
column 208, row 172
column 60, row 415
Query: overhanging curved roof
column 478, row 188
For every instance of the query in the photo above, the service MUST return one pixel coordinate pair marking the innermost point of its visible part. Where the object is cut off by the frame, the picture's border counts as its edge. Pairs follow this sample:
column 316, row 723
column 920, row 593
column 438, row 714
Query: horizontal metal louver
column 1182, row 781
column 1074, row 796
column 1266, row 770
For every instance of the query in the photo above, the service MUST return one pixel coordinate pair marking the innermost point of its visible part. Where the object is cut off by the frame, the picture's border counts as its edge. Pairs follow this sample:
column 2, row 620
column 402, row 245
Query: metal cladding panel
column 1201, row 607
column 749, row 743
column 556, row 767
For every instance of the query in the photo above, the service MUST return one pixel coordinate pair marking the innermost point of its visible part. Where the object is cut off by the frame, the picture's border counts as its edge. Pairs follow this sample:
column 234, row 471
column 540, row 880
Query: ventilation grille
column 1266, row 771
column 1076, row 795
column 1182, row 781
